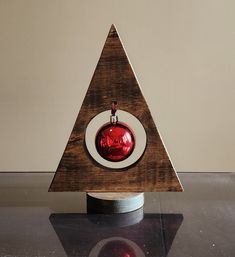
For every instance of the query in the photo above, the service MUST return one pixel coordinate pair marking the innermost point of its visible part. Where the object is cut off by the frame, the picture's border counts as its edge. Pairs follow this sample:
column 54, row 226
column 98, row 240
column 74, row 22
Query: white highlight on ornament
column 123, row 117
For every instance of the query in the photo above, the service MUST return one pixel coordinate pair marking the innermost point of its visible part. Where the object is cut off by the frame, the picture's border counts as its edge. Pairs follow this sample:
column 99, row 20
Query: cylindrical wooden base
column 114, row 202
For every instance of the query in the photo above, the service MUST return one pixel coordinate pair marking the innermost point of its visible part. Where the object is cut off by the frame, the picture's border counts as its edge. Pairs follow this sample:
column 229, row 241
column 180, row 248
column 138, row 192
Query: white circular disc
column 123, row 117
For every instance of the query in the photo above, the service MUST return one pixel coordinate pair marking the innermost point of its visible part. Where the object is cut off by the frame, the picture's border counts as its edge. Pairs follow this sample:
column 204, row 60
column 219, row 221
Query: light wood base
column 114, row 202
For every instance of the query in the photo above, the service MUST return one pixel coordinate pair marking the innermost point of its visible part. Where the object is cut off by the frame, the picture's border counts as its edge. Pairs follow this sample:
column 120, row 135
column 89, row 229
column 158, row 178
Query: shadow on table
column 131, row 234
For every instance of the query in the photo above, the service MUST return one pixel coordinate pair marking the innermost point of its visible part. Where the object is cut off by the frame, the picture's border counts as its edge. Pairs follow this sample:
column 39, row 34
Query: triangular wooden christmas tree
column 78, row 171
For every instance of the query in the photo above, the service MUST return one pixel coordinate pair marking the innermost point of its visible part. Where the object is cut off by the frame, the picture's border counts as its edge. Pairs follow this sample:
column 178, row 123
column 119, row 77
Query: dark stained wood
column 77, row 171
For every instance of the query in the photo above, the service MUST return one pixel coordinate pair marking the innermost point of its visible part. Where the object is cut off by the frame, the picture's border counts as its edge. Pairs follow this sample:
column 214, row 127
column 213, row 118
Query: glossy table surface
column 199, row 222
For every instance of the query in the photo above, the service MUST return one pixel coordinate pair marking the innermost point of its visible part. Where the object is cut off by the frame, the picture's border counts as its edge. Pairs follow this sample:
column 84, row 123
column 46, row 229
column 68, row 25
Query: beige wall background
column 183, row 53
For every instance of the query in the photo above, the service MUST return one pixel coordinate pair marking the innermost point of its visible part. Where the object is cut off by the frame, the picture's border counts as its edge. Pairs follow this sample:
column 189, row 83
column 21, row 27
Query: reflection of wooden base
column 114, row 202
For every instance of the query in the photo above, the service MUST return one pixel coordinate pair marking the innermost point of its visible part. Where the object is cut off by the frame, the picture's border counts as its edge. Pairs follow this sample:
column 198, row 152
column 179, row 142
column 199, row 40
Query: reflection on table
column 131, row 234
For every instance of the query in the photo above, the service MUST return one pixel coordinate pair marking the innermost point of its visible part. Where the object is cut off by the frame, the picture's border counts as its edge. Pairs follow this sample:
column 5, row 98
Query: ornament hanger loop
column 113, row 117
column 113, row 107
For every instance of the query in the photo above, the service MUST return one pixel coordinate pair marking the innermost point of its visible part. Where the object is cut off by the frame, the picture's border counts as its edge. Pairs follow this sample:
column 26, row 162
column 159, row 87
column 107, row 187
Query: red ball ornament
column 115, row 142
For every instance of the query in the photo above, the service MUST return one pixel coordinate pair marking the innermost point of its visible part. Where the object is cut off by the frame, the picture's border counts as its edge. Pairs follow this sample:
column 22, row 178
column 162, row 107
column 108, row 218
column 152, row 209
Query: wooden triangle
column 77, row 171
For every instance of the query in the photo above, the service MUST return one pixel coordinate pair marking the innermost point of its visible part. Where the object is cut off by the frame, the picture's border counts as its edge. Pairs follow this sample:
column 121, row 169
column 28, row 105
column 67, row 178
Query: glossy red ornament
column 115, row 142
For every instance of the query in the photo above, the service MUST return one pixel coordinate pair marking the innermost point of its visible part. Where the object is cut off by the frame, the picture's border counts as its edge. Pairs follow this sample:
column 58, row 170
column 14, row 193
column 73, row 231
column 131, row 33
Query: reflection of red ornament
column 117, row 248
column 115, row 142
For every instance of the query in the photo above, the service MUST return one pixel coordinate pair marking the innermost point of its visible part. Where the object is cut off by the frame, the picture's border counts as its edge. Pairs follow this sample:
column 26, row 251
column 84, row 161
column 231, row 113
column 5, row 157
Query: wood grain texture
column 77, row 171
